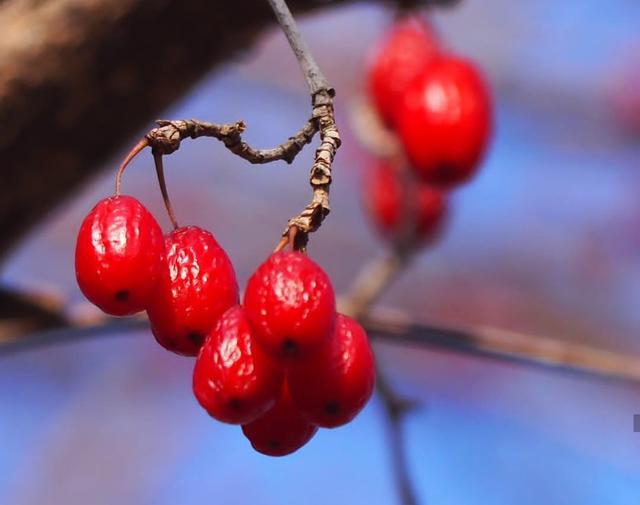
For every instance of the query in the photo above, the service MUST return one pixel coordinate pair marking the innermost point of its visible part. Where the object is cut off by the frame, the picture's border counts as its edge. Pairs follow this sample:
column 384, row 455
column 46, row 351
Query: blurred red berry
column 233, row 379
column 119, row 255
column 386, row 195
column 622, row 93
column 397, row 61
column 444, row 121
column 333, row 386
column 198, row 286
column 290, row 304
column 281, row 430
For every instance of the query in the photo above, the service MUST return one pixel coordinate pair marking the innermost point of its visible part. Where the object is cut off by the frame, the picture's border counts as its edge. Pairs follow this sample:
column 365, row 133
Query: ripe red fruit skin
column 291, row 305
column 397, row 61
column 198, row 286
column 385, row 195
column 119, row 255
column 332, row 387
column 233, row 379
column 281, row 430
column 444, row 121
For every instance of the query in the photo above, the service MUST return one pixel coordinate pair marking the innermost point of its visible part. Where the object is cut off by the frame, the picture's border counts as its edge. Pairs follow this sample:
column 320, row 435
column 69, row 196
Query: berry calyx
column 119, row 255
column 397, row 61
column 281, row 430
column 444, row 121
column 291, row 305
column 333, row 386
column 394, row 203
column 233, row 380
column 198, row 286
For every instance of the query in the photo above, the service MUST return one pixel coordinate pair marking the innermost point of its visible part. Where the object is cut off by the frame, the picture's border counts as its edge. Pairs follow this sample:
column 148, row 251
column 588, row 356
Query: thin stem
column 316, row 81
column 167, row 137
column 157, row 159
column 132, row 154
column 282, row 244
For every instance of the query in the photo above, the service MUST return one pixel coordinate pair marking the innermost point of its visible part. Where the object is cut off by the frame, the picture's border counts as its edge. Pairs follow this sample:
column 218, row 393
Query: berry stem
column 132, row 154
column 157, row 159
column 292, row 239
column 282, row 244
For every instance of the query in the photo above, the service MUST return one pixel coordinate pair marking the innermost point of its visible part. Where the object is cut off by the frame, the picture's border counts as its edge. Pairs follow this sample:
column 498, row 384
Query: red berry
column 397, row 61
column 234, row 381
column 281, row 430
column 444, row 121
column 290, row 304
column 119, row 255
column 386, row 194
column 332, row 387
column 198, row 286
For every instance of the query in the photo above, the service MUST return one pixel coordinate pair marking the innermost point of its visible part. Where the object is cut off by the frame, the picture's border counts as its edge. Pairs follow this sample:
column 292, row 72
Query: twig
column 316, row 80
column 396, row 408
column 310, row 219
column 396, row 328
column 509, row 346
column 322, row 94
column 68, row 334
column 22, row 313
column 167, row 137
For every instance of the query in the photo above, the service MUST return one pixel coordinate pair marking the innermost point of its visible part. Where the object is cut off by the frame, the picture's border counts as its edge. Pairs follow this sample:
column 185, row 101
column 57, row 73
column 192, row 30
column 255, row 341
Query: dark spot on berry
column 274, row 444
column 332, row 408
column 196, row 338
column 235, row 404
column 122, row 295
column 289, row 347
column 444, row 172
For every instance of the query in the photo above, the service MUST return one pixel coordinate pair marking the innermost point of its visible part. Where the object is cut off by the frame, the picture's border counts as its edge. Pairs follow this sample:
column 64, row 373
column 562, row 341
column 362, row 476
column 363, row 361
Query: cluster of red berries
column 439, row 107
column 281, row 364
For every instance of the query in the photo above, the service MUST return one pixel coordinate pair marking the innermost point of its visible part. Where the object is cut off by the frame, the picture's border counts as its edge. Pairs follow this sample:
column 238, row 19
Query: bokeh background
column 545, row 241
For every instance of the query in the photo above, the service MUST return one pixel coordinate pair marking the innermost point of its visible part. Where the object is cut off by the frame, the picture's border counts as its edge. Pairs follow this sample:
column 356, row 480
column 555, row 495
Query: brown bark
column 80, row 77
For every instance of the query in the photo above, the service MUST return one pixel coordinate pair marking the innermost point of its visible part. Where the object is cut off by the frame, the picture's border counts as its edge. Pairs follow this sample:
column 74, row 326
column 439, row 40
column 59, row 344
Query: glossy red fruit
column 444, row 121
column 332, row 387
column 119, row 255
column 198, row 286
column 281, row 430
column 291, row 305
column 397, row 61
column 386, row 195
column 234, row 380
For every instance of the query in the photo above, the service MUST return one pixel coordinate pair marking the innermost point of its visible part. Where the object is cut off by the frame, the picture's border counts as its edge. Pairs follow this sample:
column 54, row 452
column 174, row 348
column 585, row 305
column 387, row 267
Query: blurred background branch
column 392, row 327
